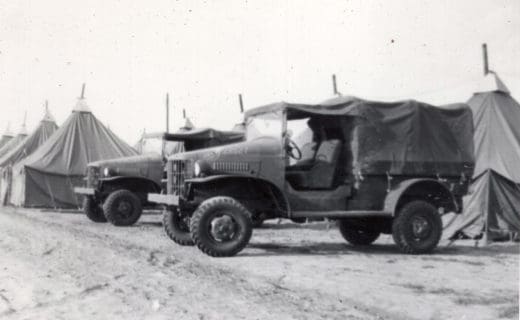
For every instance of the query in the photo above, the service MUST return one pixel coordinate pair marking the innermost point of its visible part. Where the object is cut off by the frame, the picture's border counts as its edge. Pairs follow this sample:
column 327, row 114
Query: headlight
column 196, row 169
column 106, row 172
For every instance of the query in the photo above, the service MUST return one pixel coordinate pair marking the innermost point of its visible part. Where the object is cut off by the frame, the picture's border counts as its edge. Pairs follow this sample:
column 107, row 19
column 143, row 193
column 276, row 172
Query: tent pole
column 167, row 112
column 184, row 113
column 485, row 58
column 241, row 103
column 335, row 86
column 82, row 91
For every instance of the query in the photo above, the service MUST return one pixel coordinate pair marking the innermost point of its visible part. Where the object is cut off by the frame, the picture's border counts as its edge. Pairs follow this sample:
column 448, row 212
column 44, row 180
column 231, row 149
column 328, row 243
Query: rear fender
column 430, row 190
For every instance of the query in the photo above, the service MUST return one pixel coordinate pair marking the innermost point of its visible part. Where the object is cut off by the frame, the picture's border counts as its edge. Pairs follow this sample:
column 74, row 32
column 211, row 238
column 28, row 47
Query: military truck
column 116, row 189
column 391, row 168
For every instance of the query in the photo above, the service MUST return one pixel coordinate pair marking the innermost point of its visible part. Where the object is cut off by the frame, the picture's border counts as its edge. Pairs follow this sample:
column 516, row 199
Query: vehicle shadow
column 318, row 248
column 331, row 248
column 148, row 223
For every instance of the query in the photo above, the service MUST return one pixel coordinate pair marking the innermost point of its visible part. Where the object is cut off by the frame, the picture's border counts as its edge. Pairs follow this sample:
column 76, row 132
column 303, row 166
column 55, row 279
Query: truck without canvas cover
column 116, row 189
column 375, row 167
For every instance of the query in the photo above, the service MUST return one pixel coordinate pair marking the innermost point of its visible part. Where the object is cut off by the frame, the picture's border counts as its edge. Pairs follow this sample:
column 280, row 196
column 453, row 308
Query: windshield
column 151, row 145
column 173, row 147
column 157, row 145
column 266, row 124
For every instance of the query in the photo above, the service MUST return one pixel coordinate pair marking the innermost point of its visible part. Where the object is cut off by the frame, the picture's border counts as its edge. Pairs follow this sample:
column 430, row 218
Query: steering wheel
column 291, row 148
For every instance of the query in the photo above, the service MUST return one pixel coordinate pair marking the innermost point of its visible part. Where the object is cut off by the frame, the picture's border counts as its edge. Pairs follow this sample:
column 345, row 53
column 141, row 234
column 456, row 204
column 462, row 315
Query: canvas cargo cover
column 405, row 137
column 205, row 134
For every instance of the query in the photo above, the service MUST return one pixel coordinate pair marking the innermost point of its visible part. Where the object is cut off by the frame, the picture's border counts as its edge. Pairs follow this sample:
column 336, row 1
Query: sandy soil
column 62, row 266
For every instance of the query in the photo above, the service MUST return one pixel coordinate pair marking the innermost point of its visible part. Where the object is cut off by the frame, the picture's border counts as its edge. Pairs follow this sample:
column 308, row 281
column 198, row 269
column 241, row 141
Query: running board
column 340, row 214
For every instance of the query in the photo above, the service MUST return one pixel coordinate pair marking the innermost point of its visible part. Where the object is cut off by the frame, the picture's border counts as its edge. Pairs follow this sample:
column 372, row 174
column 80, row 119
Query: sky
column 204, row 53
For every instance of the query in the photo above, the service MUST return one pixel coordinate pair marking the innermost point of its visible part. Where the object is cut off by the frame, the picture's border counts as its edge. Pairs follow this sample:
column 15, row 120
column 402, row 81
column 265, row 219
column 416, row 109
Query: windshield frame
column 281, row 115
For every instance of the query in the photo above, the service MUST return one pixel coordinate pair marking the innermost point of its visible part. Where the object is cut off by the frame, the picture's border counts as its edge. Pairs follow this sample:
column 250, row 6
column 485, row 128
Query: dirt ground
column 62, row 266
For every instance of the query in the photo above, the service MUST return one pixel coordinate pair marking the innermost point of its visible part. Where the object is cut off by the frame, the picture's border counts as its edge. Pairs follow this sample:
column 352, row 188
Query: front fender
column 133, row 182
column 277, row 193
column 213, row 178
column 427, row 187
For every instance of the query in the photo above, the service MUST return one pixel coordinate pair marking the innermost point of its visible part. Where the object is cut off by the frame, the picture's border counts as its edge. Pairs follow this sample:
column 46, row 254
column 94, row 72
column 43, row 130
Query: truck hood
column 251, row 158
column 140, row 165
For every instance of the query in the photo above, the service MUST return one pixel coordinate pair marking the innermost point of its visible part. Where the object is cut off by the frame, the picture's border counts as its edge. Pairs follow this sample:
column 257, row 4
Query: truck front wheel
column 356, row 235
column 417, row 227
column 221, row 227
column 122, row 208
column 93, row 210
column 177, row 227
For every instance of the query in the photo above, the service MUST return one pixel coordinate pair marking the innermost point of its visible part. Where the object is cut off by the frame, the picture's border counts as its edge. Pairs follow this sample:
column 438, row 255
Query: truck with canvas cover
column 116, row 189
column 390, row 168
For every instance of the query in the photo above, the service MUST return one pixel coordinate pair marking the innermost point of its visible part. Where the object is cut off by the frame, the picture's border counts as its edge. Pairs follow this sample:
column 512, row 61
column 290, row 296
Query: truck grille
column 177, row 172
column 92, row 177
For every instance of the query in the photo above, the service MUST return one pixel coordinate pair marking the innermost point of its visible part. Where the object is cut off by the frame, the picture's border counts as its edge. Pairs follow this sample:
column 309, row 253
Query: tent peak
column 81, row 106
column 8, row 130
column 188, row 124
column 23, row 130
column 48, row 115
column 492, row 83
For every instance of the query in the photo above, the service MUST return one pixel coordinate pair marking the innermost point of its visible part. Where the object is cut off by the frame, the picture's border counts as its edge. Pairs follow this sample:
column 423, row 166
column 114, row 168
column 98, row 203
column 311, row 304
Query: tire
column 93, row 210
column 209, row 215
column 122, row 208
column 176, row 227
column 356, row 235
column 417, row 227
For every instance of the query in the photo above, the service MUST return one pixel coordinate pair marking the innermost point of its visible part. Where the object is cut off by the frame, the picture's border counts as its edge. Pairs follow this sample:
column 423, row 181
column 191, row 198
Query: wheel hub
column 124, row 208
column 420, row 227
column 223, row 228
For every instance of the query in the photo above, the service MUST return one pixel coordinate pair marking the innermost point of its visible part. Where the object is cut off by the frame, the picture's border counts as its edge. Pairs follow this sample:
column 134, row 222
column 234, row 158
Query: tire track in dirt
column 217, row 281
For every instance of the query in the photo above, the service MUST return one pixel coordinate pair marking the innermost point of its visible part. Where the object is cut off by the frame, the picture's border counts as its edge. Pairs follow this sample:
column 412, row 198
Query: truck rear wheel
column 177, row 227
column 122, row 208
column 356, row 235
column 221, row 227
column 93, row 210
column 417, row 227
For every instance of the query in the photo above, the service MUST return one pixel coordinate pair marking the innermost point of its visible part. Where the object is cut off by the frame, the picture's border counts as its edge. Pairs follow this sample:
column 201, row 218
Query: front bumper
column 167, row 199
column 85, row 191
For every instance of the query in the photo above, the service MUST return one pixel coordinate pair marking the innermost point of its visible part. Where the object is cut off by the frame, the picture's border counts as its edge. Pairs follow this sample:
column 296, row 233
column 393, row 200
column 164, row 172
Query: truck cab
column 116, row 189
column 374, row 167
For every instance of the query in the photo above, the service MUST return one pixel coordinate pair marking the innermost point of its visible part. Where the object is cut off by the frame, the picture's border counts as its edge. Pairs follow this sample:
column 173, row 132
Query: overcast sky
column 130, row 53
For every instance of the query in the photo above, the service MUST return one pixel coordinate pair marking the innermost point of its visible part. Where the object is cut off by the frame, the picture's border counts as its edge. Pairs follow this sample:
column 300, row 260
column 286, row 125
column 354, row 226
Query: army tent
column 12, row 143
column 6, row 137
column 44, row 130
column 492, row 208
column 48, row 176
